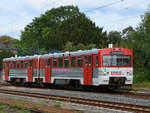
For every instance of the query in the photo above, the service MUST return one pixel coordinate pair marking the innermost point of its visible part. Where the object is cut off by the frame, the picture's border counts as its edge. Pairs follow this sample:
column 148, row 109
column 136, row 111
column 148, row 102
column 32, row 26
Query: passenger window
column 96, row 58
column 46, row 63
column 25, row 64
column 18, row 64
column 30, row 64
column 21, row 64
column 43, row 63
column 34, row 63
column 60, row 62
column 72, row 61
column 90, row 60
column 54, row 62
column 66, row 62
column 11, row 65
column 85, row 61
column 6, row 65
column 79, row 61
column 14, row 65
column 49, row 62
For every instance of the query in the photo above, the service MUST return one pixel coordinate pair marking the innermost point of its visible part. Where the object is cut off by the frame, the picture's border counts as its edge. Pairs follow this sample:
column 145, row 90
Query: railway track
column 90, row 102
column 115, row 93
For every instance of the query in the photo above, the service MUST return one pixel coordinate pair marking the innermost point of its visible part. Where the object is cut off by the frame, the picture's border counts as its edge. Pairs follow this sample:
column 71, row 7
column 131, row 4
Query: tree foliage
column 114, row 37
column 4, row 54
column 7, row 39
column 69, row 46
column 139, row 42
column 57, row 26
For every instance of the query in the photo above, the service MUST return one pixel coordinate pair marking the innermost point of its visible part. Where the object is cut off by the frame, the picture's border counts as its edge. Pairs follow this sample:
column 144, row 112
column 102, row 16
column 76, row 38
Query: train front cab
column 116, row 67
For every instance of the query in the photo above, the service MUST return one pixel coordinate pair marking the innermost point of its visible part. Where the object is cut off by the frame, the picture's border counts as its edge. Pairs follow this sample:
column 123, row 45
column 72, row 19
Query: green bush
column 141, row 77
column 25, row 111
column 2, row 106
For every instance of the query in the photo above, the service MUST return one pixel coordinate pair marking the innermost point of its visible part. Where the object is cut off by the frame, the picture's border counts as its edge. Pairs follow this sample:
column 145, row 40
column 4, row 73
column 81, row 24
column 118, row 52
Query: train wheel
column 112, row 87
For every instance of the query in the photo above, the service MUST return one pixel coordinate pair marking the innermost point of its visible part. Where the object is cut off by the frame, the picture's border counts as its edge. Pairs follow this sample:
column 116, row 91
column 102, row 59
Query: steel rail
column 89, row 102
column 116, row 93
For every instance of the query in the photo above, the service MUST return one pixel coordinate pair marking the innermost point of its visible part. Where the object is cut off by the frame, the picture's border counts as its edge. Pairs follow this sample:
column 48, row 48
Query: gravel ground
column 77, row 107
column 87, row 95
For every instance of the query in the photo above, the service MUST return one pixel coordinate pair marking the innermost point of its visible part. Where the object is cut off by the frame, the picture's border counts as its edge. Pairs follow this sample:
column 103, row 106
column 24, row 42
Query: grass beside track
column 9, row 105
column 139, row 86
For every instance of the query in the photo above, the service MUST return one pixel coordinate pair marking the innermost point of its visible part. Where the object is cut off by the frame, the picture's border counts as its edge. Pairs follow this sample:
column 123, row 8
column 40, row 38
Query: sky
column 109, row 14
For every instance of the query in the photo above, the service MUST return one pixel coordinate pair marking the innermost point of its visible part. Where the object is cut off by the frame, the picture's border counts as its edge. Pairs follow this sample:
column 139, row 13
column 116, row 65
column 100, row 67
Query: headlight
column 129, row 73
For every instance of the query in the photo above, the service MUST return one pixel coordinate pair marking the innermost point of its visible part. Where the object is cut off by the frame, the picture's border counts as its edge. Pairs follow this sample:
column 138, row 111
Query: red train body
column 96, row 67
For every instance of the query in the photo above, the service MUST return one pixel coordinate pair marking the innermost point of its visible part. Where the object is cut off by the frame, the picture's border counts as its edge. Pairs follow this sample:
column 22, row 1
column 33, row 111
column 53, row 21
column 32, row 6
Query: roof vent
column 110, row 45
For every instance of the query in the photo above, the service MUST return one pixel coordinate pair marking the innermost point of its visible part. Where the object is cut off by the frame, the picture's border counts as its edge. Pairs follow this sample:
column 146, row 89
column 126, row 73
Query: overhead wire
column 107, row 5
column 103, row 6
column 110, row 4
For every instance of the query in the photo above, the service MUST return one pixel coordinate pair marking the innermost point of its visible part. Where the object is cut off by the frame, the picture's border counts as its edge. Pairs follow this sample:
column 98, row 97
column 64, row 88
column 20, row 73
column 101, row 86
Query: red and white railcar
column 96, row 67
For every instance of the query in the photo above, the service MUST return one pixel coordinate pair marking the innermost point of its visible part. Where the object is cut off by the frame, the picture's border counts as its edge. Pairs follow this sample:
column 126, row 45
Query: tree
column 4, row 54
column 114, row 37
column 69, row 46
column 7, row 39
column 57, row 26
column 139, row 42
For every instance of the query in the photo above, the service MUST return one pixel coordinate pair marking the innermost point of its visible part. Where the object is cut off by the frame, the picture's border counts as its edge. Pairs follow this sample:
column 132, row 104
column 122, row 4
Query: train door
column 88, row 70
column 30, row 70
column 6, row 67
column 48, row 70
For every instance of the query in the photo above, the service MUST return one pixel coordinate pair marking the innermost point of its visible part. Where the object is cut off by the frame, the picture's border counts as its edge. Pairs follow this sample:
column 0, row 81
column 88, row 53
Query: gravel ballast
column 86, row 95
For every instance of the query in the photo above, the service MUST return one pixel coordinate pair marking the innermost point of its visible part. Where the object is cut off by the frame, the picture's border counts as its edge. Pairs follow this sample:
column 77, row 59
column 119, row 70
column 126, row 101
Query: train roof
column 21, row 58
column 74, row 53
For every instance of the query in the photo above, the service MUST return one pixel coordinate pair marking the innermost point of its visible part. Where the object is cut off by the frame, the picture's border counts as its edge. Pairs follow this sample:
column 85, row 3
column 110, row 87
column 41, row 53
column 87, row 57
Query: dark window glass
column 116, row 60
column 90, row 60
column 79, row 61
column 46, row 62
column 11, row 65
column 18, row 64
column 60, row 62
column 66, row 62
column 49, row 62
column 54, row 62
column 85, row 61
column 43, row 63
column 96, row 58
column 21, row 64
column 34, row 63
column 72, row 61
column 6, row 65
column 30, row 64
column 14, row 65
column 25, row 64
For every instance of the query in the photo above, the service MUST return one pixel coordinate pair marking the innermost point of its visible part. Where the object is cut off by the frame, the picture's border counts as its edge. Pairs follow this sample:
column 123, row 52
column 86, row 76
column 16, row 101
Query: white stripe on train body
column 104, row 75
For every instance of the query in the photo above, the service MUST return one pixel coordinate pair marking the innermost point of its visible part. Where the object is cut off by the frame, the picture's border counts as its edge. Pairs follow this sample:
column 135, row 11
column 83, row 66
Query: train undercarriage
column 114, row 83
